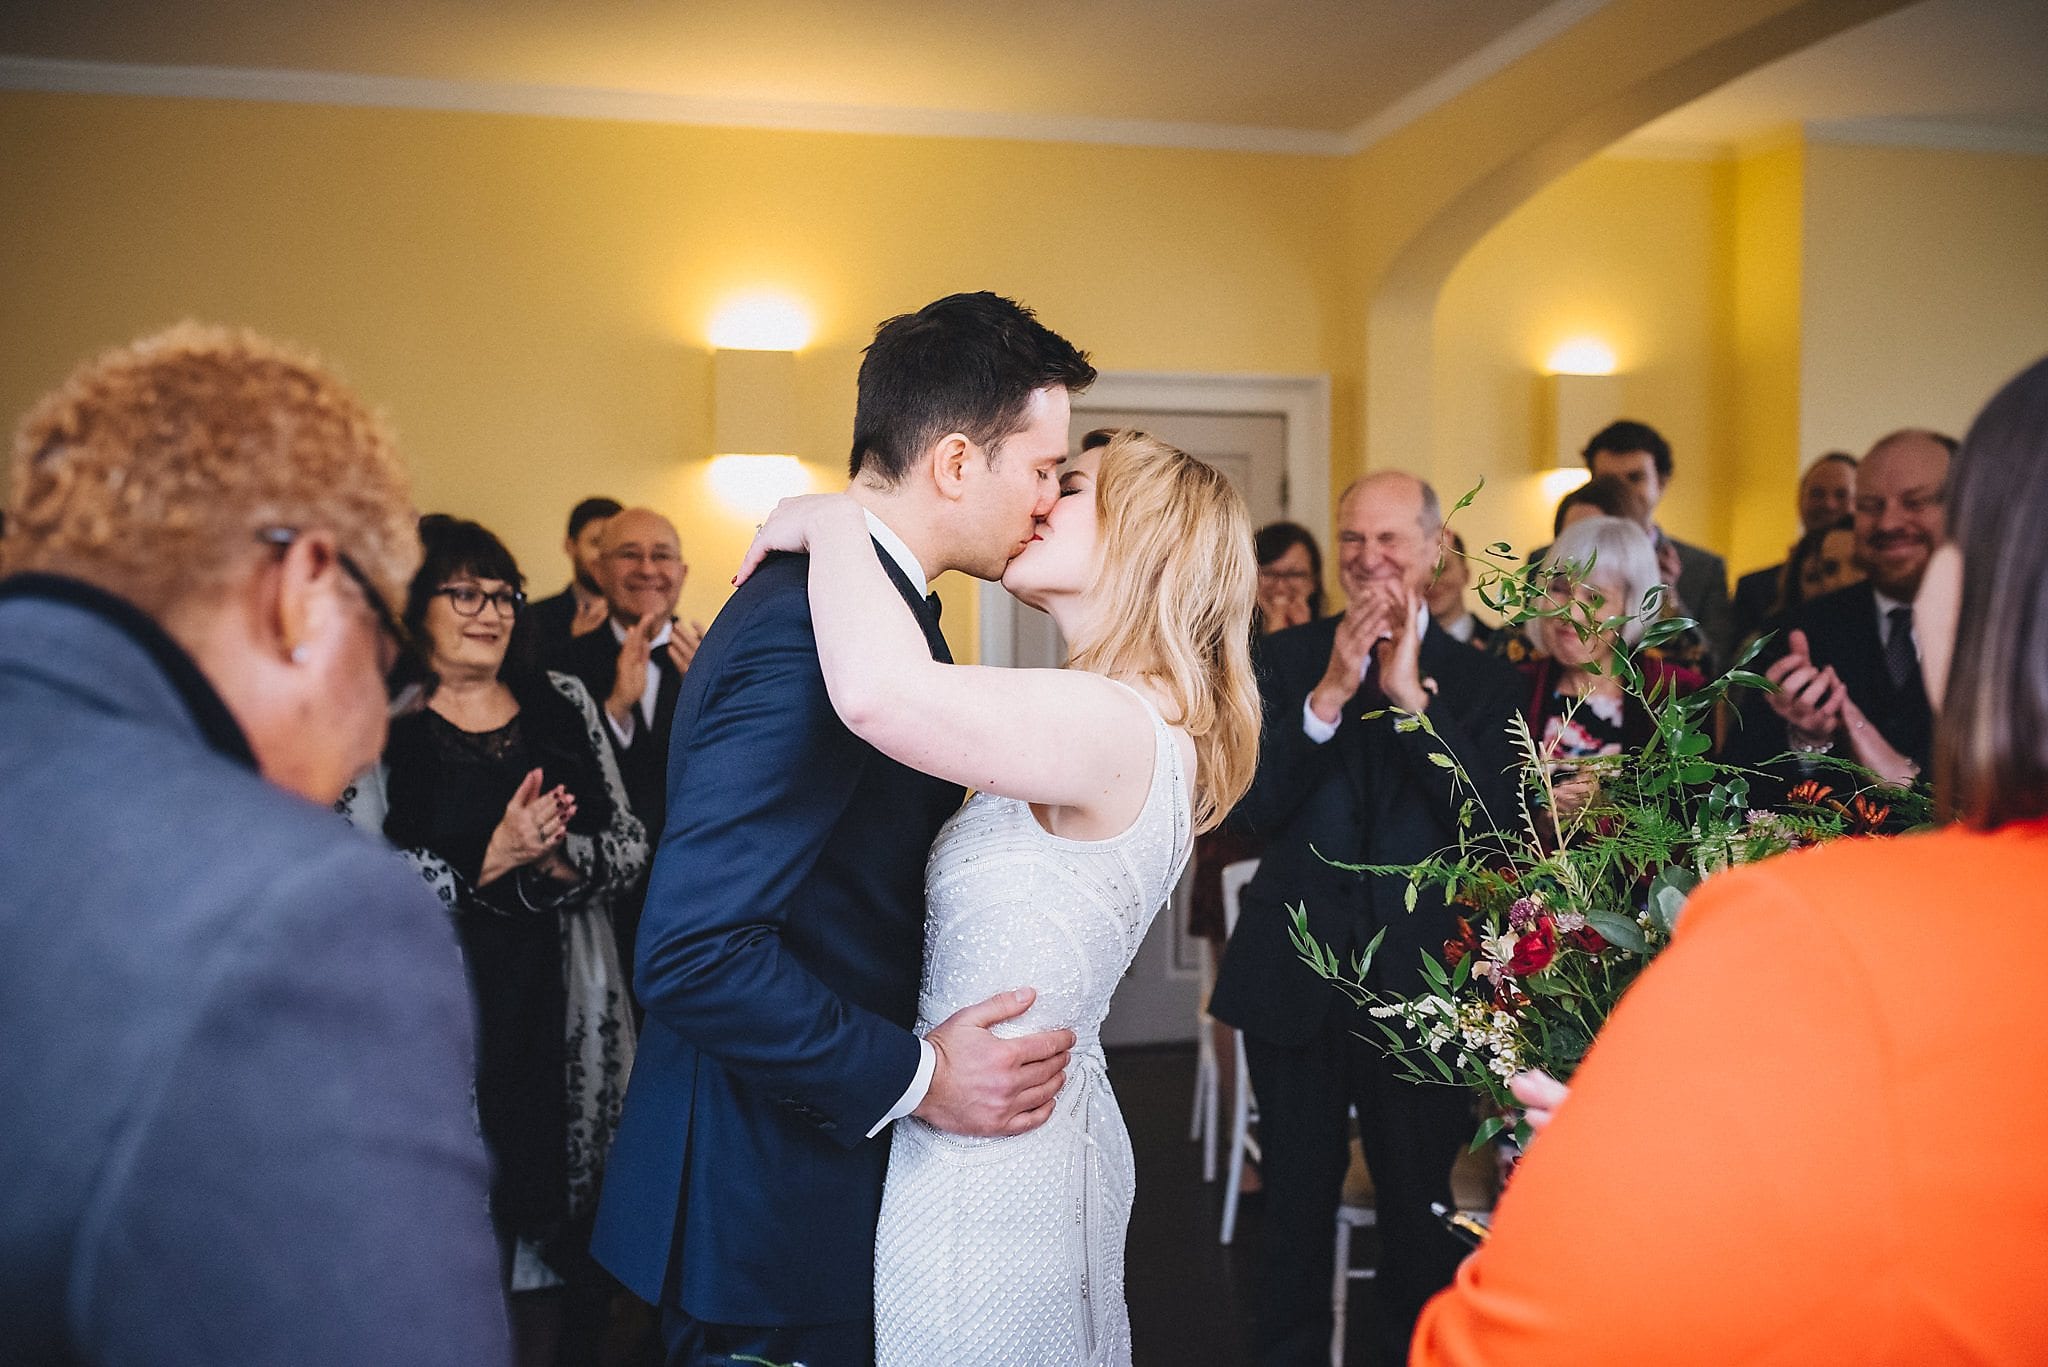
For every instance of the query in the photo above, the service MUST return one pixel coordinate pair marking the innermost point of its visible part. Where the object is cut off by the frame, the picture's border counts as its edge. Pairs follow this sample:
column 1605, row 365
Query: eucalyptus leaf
column 1618, row 931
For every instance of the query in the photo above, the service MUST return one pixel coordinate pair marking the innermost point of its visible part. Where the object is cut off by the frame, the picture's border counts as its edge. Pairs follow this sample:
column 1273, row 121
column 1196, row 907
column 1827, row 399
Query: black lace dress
column 554, row 1028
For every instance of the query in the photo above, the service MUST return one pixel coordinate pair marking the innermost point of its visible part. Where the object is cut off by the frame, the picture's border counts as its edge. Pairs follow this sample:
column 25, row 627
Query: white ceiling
column 1316, row 76
column 1959, row 72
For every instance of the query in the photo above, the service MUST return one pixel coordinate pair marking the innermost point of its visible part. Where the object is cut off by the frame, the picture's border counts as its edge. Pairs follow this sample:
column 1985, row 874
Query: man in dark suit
column 580, row 607
column 1637, row 453
column 784, row 931
column 1826, row 492
column 1333, row 785
column 634, row 665
column 1848, row 669
column 237, row 1033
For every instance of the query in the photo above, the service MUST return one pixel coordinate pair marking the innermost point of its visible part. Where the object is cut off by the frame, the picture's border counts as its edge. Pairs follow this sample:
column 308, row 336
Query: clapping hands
column 1810, row 698
column 531, row 832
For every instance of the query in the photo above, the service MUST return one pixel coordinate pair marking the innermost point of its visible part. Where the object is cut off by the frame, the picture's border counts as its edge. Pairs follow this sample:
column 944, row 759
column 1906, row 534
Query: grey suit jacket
column 235, row 1037
column 1703, row 586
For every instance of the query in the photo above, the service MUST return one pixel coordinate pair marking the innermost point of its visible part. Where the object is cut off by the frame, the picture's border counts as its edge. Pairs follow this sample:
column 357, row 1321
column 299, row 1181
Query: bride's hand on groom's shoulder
column 794, row 525
column 987, row 1085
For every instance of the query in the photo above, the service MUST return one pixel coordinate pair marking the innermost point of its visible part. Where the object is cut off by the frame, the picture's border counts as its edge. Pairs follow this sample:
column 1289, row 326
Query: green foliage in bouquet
column 1561, row 914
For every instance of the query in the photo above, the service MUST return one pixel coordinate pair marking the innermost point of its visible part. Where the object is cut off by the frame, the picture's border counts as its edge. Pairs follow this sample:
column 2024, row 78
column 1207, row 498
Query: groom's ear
column 949, row 461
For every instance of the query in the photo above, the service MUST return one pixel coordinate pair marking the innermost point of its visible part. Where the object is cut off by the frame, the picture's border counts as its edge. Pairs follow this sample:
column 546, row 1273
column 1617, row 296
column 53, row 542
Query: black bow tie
column 931, row 600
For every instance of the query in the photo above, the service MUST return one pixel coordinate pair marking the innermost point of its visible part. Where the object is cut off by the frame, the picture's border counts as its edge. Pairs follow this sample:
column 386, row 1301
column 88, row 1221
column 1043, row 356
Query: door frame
column 1302, row 400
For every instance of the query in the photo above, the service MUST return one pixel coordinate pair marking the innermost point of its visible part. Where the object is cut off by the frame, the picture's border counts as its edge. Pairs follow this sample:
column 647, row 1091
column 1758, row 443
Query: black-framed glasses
column 406, row 677
column 468, row 600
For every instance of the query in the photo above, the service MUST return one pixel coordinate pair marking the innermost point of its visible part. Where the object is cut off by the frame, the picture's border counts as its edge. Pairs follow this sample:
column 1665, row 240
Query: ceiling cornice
column 569, row 102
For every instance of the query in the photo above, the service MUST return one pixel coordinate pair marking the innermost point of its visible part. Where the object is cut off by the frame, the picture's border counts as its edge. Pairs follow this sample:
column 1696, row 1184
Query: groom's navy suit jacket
column 778, row 963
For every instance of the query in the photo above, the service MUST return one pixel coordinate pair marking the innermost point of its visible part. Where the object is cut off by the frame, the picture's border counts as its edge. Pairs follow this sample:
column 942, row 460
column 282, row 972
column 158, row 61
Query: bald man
column 1333, row 785
column 634, row 666
column 1848, row 663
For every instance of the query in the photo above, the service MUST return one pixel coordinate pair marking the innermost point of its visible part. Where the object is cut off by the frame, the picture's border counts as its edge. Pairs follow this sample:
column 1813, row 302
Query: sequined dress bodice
column 1010, row 1251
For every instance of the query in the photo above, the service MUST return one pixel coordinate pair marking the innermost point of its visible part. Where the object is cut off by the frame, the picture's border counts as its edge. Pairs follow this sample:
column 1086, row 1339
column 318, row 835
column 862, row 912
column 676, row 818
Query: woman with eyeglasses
column 505, row 795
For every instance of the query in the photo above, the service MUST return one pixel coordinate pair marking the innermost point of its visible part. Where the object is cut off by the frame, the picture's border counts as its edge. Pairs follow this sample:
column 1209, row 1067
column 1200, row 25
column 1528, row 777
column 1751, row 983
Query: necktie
column 931, row 600
column 1900, row 658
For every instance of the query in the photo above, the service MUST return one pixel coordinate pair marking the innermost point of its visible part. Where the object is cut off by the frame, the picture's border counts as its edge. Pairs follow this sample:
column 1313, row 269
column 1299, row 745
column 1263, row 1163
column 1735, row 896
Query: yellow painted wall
column 1627, row 251
column 1766, row 236
column 528, row 298
column 1926, row 287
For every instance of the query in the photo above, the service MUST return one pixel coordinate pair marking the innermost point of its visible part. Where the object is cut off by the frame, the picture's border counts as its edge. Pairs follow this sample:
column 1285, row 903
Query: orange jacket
column 1812, row 1134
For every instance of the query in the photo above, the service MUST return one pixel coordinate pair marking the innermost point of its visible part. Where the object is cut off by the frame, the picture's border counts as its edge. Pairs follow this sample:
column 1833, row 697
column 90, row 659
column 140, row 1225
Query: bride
column 1090, row 783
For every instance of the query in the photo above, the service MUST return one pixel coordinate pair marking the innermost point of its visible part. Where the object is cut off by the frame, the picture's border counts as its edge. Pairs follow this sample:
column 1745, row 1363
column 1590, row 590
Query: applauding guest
column 237, row 1039
column 1705, row 1133
column 1849, row 676
column 635, row 669
column 1340, row 778
column 1290, row 576
column 504, row 795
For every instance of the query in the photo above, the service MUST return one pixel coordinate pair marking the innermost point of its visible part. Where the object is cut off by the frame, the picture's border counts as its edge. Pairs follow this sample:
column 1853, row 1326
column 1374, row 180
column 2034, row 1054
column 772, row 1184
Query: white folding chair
column 1202, row 1123
column 1357, row 1209
column 1244, row 1112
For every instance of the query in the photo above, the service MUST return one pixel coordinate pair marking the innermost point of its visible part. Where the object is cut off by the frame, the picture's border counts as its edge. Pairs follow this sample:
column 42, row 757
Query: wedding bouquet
column 1562, row 910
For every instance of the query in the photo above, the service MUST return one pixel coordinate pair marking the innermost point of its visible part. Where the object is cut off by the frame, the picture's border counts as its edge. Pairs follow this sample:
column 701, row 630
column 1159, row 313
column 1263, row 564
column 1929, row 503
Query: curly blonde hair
column 1176, row 588
column 151, row 468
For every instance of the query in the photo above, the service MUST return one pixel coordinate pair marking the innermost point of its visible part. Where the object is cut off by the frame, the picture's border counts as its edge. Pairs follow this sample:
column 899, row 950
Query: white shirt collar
column 661, row 639
column 1461, row 629
column 898, row 552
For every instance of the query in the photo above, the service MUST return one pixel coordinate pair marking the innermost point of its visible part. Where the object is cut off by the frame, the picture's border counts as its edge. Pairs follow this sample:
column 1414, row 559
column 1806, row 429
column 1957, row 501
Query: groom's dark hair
column 967, row 363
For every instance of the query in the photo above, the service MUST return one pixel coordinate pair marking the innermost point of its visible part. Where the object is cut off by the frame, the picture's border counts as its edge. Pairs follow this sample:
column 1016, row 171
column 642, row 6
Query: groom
column 781, row 944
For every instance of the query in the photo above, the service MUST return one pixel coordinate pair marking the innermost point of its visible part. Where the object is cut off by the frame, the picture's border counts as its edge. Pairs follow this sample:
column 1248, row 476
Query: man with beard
column 580, row 607
column 1849, row 673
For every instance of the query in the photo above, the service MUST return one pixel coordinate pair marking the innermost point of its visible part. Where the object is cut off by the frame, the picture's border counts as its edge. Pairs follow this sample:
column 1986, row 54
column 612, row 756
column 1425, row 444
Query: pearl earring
column 300, row 655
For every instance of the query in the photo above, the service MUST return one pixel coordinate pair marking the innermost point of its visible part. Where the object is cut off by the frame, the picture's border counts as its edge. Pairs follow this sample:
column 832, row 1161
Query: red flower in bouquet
column 1810, row 793
column 1586, row 940
column 1463, row 943
column 1869, row 816
column 1535, row 950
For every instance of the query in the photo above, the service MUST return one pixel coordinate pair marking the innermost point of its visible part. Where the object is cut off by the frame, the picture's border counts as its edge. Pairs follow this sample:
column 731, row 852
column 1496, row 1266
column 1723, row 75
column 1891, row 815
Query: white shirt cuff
column 1314, row 727
column 622, row 729
column 913, row 1095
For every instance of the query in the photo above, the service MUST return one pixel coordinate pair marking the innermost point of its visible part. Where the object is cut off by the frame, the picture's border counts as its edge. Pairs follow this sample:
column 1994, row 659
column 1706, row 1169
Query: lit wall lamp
column 1579, row 396
column 753, row 403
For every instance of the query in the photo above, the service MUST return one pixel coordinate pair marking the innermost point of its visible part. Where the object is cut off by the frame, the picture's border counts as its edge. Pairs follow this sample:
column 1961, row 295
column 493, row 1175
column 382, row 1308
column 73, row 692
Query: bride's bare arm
column 1057, row 737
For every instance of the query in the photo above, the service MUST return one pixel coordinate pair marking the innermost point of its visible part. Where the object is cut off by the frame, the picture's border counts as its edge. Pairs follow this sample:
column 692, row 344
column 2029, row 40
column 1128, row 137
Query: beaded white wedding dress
column 1011, row 1251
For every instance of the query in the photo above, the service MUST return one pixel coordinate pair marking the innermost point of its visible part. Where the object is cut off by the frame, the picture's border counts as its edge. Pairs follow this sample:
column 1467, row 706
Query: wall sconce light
column 1581, row 395
column 753, row 402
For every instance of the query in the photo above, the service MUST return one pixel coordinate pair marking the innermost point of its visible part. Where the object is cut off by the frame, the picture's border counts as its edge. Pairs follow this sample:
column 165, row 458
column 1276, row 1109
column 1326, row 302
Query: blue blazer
column 778, row 963
column 235, row 1037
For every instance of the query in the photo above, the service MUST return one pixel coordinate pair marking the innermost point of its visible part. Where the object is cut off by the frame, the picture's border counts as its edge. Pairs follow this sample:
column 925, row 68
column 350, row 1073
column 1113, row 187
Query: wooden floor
column 1191, row 1298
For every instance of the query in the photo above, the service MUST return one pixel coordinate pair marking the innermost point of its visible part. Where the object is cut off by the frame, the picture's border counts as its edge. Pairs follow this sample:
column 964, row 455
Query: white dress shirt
column 649, row 695
column 927, row 1057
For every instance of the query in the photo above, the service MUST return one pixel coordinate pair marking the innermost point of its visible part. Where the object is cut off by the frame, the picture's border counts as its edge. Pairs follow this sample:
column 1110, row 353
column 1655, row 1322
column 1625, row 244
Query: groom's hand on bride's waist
column 983, row 1084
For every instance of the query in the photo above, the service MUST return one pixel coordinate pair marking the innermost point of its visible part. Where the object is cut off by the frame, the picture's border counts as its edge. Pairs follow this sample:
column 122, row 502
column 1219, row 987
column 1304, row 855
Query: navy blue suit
column 778, row 964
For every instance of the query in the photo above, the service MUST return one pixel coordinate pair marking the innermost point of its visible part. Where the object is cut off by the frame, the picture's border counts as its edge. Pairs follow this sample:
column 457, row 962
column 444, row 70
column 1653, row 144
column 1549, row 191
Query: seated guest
column 1613, row 496
column 1576, row 707
column 1847, row 668
column 1339, row 779
column 1638, row 453
column 237, row 1037
column 1705, row 1132
column 1826, row 491
column 635, row 669
column 1290, row 576
column 504, row 795
column 1447, row 595
column 579, row 607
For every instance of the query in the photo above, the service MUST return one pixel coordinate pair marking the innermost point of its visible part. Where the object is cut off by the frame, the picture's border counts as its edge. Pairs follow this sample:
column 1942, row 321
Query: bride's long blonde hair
column 1172, row 604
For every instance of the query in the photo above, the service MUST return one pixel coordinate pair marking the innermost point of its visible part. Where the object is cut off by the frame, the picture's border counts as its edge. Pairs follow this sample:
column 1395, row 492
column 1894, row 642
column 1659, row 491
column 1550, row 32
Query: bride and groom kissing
column 869, row 1120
